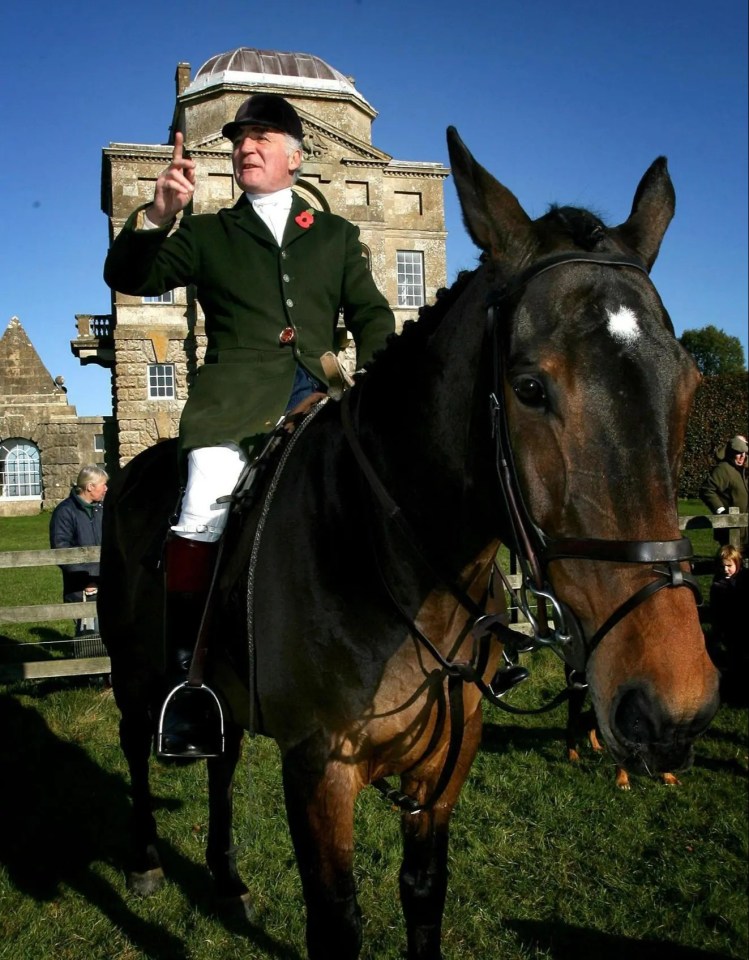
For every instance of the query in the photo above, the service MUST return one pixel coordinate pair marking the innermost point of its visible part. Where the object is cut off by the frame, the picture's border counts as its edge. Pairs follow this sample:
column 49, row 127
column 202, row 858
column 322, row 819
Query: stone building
column 154, row 345
column 43, row 442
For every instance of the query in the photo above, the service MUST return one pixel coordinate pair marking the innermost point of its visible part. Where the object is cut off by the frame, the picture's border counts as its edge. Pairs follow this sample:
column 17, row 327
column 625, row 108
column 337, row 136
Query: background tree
column 715, row 352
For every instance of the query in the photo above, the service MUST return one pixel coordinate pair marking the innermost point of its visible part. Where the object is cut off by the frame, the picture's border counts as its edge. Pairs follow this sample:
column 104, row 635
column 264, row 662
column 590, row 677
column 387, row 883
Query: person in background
column 726, row 484
column 271, row 275
column 729, row 606
column 76, row 522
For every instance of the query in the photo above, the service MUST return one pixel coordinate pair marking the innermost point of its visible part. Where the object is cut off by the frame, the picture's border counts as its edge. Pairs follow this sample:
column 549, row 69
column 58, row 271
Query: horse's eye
column 529, row 391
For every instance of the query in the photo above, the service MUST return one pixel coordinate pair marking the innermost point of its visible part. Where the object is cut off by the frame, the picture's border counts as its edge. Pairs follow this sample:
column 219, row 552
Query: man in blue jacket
column 76, row 522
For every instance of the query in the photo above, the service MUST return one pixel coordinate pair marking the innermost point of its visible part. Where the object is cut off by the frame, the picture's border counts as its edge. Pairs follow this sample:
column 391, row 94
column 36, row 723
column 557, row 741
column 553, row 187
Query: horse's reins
column 533, row 548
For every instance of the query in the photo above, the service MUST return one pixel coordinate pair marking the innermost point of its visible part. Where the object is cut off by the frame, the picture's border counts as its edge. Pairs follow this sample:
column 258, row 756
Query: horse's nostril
column 636, row 718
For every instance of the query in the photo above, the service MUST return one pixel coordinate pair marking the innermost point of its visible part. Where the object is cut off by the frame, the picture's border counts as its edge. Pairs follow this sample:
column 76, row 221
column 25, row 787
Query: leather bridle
column 534, row 549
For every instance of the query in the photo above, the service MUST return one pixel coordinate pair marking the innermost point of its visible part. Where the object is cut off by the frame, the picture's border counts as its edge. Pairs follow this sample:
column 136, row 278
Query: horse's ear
column 492, row 215
column 652, row 209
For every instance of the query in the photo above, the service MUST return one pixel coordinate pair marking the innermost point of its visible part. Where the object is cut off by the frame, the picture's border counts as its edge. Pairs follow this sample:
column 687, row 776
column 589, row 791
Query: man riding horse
column 271, row 276
column 542, row 401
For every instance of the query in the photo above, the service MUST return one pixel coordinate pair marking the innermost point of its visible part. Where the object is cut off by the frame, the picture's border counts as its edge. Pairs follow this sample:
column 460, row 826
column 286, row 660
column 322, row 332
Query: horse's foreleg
column 423, row 881
column 423, row 875
column 320, row 809
column 220, row 851
column 136, row 732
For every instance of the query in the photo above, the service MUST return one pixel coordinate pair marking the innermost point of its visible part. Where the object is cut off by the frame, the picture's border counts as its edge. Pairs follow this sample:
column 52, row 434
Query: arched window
column 20, row 470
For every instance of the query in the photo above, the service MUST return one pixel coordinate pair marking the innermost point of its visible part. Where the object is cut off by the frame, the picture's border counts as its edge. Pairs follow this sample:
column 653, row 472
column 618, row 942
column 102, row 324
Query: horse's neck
column 426, row 431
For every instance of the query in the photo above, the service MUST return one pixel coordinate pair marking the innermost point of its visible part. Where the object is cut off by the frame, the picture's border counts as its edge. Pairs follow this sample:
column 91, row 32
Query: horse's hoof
column 240, row 908
column 147, row 883
column 622, row 779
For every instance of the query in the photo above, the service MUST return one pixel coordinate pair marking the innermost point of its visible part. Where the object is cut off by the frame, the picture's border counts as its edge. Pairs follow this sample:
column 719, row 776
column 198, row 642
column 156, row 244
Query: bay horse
column 541, row 401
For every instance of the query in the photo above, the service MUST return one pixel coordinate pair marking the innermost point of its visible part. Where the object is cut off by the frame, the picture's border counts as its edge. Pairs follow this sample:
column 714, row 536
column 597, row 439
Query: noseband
column 534, row 549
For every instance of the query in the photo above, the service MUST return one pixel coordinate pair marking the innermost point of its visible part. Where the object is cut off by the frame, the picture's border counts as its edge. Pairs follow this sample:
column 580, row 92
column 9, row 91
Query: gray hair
column 293, row 144
column 90, row 474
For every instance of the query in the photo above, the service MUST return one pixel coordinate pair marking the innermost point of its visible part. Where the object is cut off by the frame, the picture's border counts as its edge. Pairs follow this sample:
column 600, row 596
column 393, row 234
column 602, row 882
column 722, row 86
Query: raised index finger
column 179, row 141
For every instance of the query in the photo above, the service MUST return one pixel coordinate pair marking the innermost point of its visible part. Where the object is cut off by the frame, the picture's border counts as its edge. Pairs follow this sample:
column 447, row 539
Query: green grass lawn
column 548, row 860
column 21, row 586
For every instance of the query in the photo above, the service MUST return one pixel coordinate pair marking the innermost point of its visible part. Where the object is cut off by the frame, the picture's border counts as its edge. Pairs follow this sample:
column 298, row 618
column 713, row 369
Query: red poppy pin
column 305, row 219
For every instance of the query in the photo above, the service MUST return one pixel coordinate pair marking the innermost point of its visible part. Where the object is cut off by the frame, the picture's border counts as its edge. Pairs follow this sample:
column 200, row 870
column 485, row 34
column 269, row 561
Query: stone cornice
column 364, row 162
column 147, row 153
column 426, row 171
column 139, row 152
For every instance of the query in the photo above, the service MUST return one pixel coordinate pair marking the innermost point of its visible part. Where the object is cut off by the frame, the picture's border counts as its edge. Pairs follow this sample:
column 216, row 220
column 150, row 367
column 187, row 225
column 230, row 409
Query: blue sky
column 567, row 102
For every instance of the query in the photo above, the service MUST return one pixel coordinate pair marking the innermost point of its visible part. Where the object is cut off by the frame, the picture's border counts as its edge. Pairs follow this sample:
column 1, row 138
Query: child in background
column 729, row 603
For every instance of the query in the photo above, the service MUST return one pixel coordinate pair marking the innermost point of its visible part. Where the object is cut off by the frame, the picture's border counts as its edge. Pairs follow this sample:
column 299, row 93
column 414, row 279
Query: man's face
column 739, row 459
column 261, row 162
column 96, row 491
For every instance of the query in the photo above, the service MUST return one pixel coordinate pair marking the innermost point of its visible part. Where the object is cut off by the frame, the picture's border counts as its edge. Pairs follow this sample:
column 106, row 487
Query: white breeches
column 212, row 472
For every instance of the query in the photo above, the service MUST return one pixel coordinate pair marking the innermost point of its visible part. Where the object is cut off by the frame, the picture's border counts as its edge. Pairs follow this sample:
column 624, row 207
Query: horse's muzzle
column 647, row 738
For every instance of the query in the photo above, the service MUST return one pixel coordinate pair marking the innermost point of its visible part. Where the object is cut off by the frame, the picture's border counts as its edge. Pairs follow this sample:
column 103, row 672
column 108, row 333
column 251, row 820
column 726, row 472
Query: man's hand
column 174, row 187
column 301, row 410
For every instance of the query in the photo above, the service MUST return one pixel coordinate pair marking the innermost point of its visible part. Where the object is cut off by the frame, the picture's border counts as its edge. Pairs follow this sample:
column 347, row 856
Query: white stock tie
column 273, row 209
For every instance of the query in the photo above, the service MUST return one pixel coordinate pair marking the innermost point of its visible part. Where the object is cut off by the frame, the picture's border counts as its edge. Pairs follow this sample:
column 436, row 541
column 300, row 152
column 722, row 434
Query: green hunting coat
column 250, row 289
column 726, row 486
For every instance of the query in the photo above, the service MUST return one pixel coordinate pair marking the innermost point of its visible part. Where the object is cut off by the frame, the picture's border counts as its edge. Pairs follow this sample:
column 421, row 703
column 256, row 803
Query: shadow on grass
column 503, row 737
column 564, row 942
column 60, row 813
column 46, row 644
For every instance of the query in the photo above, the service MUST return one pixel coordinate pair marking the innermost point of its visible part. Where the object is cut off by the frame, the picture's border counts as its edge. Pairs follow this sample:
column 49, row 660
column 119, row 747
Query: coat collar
column 245, row 217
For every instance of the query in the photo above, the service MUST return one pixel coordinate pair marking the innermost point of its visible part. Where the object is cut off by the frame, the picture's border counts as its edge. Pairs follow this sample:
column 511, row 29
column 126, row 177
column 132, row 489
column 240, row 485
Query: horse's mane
column 404, row 347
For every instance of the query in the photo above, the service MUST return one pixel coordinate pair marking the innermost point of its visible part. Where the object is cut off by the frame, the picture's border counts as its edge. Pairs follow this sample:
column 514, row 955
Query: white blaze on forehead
column 623, row 324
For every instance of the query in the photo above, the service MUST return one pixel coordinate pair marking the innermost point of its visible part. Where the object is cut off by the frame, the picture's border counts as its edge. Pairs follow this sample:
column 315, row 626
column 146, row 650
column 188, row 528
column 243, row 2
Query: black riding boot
column 190, row 725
